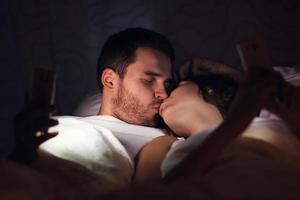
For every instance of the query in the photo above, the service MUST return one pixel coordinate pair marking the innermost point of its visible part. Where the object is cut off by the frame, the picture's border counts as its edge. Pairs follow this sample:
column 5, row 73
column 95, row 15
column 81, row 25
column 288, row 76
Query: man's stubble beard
column 130, row 109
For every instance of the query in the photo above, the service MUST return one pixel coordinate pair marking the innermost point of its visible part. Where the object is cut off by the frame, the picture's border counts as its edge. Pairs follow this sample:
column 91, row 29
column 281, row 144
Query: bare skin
column 150, row 158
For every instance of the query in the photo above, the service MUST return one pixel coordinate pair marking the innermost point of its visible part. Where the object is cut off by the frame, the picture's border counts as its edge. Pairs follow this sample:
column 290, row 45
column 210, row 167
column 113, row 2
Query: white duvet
column 94, row 148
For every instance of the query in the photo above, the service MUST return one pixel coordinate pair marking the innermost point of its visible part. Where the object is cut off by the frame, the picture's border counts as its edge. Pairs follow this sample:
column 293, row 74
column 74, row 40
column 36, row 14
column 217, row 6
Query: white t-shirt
column 132, row 137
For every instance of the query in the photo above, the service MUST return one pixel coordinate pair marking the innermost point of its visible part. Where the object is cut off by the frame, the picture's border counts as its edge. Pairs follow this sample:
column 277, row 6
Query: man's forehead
column 152, row 57
column 152, row 64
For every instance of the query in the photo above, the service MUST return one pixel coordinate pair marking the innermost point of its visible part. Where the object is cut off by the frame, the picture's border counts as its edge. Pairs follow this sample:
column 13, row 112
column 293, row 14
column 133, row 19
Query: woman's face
column 186, row 107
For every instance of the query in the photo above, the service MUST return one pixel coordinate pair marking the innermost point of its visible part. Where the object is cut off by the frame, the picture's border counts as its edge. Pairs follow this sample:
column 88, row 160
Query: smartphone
column 254, row 52
column 43, row 86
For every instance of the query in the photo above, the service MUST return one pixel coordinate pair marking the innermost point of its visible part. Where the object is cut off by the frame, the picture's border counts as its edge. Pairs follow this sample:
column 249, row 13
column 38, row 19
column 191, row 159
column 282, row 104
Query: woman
column 193, row 109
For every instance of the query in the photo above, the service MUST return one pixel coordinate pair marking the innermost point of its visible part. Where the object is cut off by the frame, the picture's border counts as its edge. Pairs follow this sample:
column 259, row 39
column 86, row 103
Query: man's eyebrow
column 151, row 73
column 156, row 74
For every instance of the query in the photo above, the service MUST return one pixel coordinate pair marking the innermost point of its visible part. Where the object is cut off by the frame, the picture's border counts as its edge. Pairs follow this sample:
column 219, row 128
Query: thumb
column 45, row 137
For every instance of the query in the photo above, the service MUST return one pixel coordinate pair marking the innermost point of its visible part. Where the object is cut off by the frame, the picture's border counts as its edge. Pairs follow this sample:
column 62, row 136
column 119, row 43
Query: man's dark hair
column 120, row 48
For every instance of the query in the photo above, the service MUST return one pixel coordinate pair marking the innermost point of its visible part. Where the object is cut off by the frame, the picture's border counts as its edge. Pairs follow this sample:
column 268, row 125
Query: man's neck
column 104, row 111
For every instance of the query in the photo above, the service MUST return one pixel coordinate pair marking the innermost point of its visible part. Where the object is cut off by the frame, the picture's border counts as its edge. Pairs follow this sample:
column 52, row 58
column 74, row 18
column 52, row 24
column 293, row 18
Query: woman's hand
column 187, row 113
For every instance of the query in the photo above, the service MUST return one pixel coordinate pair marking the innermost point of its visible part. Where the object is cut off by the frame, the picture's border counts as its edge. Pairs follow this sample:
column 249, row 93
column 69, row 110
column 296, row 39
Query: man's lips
column 156, row 106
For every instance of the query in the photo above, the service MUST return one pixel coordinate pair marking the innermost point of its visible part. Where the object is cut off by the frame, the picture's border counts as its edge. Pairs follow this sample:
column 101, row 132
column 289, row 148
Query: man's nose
column 161, row 93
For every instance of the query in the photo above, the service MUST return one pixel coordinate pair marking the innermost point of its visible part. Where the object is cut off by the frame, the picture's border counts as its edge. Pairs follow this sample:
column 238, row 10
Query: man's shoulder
column 68, row 120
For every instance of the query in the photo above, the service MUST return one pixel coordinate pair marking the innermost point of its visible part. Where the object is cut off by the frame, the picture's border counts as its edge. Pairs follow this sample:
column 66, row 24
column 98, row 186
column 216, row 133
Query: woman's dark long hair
column 217, row 89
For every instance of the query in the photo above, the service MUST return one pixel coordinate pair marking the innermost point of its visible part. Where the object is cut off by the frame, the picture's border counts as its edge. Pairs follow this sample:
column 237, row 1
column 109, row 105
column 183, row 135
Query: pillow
column 90, row 105
column 292, row 75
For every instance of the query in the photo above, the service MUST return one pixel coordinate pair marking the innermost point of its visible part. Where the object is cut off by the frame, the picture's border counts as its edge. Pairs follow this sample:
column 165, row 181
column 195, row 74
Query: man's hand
column 187, row 113
column 31, row 129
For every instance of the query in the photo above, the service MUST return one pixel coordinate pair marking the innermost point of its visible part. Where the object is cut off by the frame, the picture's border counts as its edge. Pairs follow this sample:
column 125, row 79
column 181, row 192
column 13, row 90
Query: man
column 135, row 72
column 134, row 69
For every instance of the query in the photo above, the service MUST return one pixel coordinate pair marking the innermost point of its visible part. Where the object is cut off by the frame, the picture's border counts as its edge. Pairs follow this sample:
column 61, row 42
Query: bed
column 251, row 168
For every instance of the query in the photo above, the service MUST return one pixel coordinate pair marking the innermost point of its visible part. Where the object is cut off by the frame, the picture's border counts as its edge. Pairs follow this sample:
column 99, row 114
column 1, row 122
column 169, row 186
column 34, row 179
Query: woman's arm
column 149, row 159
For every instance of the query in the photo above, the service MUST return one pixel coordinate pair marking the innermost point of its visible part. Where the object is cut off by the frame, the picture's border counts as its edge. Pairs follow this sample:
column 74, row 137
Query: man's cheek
column 146, row 98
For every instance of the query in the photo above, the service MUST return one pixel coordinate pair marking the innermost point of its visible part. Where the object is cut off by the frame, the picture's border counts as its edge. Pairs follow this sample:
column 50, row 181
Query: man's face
column 142, row 89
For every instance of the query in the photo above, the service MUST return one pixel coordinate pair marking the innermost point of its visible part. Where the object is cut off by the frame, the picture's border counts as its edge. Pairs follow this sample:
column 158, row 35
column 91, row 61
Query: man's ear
column 109, row 78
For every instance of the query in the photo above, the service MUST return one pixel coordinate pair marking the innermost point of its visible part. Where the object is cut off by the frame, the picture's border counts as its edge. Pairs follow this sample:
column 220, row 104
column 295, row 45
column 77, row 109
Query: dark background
column 67, row 35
